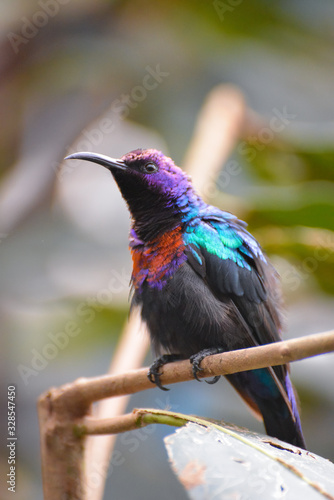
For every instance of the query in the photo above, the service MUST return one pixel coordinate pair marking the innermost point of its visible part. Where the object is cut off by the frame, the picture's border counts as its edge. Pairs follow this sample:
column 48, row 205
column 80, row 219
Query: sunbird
column 202, row 282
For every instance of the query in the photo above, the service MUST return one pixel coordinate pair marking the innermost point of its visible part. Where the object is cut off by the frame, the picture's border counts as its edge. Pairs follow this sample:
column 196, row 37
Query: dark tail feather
column 275, row 401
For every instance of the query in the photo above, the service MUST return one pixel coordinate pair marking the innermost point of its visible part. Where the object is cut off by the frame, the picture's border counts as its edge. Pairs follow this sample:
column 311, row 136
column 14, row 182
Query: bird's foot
column 154, row 370
column 197, row 358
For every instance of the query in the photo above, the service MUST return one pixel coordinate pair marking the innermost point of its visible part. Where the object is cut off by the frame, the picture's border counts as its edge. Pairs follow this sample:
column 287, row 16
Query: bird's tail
column 272, row 400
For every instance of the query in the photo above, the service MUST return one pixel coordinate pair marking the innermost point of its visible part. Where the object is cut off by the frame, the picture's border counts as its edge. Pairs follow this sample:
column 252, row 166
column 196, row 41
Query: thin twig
column 139, row 417
column 83, row 392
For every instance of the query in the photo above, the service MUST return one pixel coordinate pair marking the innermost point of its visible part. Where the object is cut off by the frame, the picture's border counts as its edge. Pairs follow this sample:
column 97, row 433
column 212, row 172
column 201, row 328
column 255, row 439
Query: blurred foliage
column 295, row 192
column 96, row 323
column 108, row 322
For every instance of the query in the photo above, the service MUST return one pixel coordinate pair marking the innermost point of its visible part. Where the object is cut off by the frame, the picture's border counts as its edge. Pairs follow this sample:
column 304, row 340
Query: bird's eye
column 149, row 168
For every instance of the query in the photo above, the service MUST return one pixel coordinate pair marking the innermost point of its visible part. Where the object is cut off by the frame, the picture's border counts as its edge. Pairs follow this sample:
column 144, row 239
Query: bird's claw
column 154, row 371
column 196, row 360
column 154, row 375
column 213, row 380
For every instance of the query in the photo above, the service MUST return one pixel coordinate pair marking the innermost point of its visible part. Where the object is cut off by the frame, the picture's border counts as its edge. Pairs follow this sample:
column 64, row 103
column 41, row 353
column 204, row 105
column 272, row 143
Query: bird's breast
column 156, row 262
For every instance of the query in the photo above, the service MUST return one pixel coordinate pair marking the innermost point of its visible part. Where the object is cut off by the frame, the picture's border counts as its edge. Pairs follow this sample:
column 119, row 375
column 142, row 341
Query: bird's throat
column 155, row 262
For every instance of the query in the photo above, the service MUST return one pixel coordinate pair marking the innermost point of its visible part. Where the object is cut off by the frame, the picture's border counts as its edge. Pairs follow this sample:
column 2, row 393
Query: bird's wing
column 233, row 266
column 231, row 262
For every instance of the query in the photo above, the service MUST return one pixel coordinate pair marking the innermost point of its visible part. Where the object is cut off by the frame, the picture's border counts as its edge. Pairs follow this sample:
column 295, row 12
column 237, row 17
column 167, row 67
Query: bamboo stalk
column 129, row 354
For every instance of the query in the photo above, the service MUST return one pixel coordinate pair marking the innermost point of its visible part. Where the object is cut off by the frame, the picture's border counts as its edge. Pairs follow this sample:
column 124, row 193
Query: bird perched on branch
column 202, row 281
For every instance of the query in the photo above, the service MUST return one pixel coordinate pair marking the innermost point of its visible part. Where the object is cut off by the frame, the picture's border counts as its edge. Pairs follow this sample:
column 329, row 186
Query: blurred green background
column 113, row 76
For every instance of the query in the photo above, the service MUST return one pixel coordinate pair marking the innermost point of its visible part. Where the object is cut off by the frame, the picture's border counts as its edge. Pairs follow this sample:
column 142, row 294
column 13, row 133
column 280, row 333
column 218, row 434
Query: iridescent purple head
column 156, row 171
column 158, row 193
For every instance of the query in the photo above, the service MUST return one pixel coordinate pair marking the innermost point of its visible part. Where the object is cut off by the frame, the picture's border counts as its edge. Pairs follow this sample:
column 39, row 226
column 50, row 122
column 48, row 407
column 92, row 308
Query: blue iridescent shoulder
column 221, row 234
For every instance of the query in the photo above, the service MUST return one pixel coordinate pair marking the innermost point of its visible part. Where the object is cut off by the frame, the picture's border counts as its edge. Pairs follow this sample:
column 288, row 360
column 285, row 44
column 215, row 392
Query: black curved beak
column 105, row 161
